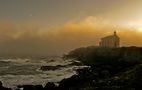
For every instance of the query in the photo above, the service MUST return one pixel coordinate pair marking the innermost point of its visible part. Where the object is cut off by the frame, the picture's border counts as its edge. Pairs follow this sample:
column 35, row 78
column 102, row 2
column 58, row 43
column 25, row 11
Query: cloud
column 35, row 39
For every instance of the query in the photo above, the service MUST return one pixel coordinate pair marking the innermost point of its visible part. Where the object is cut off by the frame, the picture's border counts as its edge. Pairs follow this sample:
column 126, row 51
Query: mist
column 35, row 39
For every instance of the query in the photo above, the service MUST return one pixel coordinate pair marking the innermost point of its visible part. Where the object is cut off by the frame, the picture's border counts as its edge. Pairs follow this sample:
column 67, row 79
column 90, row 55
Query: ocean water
column 24, row 71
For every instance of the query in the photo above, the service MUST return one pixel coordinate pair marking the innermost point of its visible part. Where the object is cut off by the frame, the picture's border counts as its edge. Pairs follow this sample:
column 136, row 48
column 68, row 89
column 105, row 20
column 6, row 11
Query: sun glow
column 135, row 24
column 140, row 29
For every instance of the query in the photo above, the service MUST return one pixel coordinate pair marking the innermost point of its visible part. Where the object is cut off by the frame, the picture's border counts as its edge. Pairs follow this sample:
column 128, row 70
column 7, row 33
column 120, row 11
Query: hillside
column 110, row 68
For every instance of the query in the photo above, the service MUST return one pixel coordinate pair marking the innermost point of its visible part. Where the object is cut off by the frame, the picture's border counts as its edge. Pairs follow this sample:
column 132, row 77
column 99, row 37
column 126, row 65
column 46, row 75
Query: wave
column 21, row 71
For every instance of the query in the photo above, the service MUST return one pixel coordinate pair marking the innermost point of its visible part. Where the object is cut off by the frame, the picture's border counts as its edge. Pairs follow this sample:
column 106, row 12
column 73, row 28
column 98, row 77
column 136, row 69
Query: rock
column 39, row 87
column 3, row 88
column 50, row 86
column 76, row 64
column 46, row 68
column 52, row 60
column 28, row 87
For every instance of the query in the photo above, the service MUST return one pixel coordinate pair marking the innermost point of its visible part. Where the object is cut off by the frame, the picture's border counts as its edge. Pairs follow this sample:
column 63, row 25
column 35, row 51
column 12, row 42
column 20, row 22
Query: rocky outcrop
column 3, row 88
column 48, row 86
column 92, row 55
column 110, row 69
column 48, row 68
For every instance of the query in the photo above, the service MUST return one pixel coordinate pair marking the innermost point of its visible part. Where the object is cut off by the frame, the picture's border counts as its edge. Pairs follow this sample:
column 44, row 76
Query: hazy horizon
column 58, row 26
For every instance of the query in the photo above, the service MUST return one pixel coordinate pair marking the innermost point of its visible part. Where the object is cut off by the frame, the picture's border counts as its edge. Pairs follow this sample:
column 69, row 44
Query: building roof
column 111, row 36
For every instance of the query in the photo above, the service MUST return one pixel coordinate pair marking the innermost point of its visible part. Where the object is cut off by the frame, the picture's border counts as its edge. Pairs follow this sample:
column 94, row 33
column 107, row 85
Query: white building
column 111, row 41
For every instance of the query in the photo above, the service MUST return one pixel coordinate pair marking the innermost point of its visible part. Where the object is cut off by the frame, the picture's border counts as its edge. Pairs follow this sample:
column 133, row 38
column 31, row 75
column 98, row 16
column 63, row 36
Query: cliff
column 91, row 55
column 110, row 69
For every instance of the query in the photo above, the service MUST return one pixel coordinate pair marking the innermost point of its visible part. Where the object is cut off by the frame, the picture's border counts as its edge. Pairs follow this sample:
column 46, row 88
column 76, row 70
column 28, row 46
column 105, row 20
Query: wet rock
column 50, row 86
column 76, row 64
column 52, row 60
column 17, row 89
column 29, row 87
column 46, row 68
column 39, row 87
column 3, row 88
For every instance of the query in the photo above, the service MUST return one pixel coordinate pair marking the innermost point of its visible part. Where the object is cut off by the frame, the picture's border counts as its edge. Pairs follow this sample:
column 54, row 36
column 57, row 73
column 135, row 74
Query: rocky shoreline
column 109, row 69
column 48, row 86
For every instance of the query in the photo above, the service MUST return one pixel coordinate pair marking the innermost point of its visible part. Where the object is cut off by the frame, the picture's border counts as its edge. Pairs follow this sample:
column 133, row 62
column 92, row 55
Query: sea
column 16, row 71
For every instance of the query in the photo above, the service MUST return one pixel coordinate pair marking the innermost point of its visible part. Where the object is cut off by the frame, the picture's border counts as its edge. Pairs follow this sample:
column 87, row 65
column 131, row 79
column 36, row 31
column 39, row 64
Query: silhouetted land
column 110, row 69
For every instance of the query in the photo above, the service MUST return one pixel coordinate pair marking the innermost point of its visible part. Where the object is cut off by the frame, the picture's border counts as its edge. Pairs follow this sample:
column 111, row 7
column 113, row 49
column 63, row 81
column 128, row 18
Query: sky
column 55, row 27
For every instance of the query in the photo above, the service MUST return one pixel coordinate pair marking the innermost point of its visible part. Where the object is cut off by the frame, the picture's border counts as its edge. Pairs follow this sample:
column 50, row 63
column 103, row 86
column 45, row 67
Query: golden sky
column 58, row 26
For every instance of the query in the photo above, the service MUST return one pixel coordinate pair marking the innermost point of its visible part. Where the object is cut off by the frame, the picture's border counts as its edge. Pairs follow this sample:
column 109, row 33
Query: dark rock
column 39, row 87
column 50, row 86
column 3, row 88
column 46, row 68
column 76, row 64
column 17, row 89
column 28, row 87
column 52, row 60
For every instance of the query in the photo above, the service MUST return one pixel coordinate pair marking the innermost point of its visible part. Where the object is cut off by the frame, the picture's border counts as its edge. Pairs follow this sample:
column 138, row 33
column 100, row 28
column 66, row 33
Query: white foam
column 41, row 77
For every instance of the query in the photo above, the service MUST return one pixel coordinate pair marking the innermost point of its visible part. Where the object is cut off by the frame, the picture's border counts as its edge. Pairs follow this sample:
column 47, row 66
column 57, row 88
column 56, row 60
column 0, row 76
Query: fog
column 31, row 38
